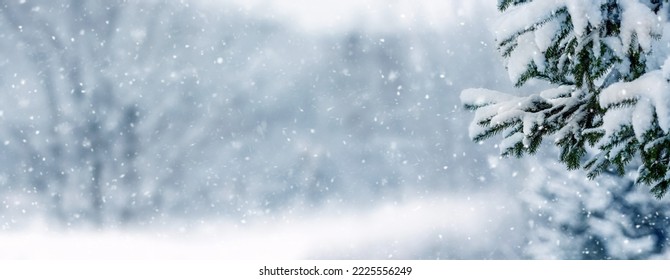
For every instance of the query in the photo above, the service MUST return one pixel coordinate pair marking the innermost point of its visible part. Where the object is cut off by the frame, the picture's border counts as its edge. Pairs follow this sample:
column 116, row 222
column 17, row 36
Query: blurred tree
column 90, row 76
column 573, row 218
column 81, row 138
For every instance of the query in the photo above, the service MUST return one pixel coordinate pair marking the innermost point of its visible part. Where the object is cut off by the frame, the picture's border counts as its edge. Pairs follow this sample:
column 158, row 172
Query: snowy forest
column 337, row 129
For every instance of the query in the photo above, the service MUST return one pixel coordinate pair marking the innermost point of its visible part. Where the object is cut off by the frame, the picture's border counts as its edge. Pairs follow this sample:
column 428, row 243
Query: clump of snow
column 639, row 22
column 651, row 97
column 524, row 17
column 583, row 14
column 545, row 33
column 666, row 69
column 525, row 53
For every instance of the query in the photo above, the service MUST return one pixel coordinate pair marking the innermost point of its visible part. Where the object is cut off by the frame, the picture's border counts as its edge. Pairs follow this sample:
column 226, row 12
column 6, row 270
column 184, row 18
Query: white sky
column 333, row 15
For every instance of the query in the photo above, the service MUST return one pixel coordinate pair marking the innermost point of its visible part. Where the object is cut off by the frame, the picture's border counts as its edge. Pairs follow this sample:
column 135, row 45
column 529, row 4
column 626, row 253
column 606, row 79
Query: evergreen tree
column 606, row 61
column 570, row 218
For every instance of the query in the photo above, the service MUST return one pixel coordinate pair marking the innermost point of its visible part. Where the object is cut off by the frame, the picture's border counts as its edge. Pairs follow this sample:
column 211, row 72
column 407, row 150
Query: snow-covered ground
column 449, row 226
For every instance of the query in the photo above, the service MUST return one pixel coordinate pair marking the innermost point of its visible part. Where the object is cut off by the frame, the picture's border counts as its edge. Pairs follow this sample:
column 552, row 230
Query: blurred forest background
column 158, row 114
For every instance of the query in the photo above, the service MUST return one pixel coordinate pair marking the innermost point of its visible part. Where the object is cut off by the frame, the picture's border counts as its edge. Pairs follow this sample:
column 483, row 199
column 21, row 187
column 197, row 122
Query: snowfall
column 258, row 130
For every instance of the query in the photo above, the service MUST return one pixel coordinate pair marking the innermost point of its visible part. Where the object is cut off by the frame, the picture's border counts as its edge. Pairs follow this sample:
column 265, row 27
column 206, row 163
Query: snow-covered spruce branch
column 525, row 121
column 637, row 120
column 610, row 91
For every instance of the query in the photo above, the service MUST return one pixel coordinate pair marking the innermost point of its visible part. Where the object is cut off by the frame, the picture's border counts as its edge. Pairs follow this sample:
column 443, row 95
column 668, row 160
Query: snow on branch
column 523, row 121
column 649, row 97
column 640, row 23
column 610, row 92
